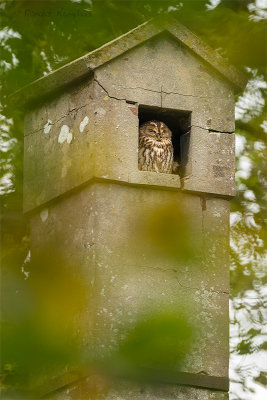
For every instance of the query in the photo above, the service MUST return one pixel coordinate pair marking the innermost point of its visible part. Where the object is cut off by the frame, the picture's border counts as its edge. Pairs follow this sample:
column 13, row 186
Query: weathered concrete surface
column 163, row 73
column 91, row 132
column 211, row 162
column 154, row 278
column 94, row 388
column 102, row 231
column 82, row 135
column 215, row 214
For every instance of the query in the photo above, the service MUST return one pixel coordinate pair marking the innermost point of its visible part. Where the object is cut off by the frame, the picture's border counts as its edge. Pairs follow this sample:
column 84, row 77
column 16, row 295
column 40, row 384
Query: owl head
column 155, row 129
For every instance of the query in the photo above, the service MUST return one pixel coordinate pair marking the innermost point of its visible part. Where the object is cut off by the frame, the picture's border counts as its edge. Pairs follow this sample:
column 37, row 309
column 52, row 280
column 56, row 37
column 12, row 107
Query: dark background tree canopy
column 40, row 36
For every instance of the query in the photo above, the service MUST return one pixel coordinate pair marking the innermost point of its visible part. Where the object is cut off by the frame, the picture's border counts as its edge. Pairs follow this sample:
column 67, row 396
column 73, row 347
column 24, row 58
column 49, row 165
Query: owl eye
column 151, row 130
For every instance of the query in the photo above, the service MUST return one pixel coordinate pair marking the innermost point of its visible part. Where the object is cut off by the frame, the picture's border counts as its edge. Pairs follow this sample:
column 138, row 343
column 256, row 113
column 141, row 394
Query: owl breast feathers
column 155, row 147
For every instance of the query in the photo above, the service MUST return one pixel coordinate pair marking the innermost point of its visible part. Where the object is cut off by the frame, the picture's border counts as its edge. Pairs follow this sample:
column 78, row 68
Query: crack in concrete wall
column 153, row 91
column 75, row 109
column 214, row 131
column 175, row 271
column 105, row 90
column 161, row 92
column 210, row 130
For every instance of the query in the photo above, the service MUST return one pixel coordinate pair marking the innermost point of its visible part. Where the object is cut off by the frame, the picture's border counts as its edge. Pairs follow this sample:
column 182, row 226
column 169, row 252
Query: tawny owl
column 155, row 147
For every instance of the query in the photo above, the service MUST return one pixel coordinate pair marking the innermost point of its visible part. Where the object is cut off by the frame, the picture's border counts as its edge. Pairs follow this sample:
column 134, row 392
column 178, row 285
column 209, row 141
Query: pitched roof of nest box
column 85, row 65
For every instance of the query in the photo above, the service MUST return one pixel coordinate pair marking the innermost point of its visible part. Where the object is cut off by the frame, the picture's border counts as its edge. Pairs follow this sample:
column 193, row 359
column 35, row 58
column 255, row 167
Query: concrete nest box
column 85, row 123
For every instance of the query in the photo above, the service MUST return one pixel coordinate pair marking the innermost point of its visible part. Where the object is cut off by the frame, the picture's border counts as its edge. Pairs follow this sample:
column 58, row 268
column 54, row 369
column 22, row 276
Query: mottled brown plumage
column 155, row 147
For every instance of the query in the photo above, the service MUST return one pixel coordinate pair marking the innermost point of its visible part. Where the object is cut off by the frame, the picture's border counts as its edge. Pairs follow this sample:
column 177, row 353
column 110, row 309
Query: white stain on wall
column 44, row 214
column 83, row 124
column 65, row 135
column 47, row 126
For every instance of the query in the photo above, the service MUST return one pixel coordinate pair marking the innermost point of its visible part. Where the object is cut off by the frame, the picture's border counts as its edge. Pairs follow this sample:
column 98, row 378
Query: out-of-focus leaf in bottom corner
column 39, row 321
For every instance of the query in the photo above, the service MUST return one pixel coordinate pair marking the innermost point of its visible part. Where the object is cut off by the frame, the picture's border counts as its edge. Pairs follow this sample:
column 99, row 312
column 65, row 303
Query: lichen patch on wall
column 44, row 214
column 65, row 135
column 47, row 126
column 83, row 124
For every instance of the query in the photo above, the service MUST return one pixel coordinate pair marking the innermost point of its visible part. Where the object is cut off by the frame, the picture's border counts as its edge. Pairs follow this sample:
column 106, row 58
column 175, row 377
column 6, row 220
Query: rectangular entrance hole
column 179, row 123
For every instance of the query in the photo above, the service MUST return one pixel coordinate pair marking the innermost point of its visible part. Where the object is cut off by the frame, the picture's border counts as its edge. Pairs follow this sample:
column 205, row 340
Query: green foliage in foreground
column 40, row 36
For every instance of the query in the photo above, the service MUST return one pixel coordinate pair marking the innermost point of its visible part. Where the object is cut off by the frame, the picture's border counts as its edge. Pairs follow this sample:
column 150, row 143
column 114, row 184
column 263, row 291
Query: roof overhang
column 85, row 65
